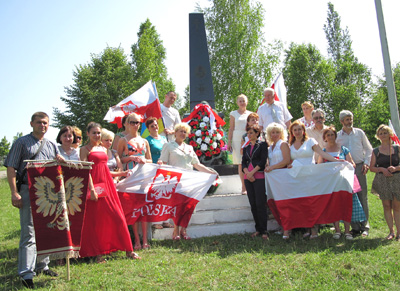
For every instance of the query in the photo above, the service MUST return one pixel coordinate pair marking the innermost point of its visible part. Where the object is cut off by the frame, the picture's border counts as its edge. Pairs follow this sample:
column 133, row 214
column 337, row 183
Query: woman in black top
column 253, row 163
column 385, row 163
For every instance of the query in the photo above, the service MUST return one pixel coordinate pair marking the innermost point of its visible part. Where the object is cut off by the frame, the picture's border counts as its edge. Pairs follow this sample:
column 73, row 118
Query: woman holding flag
column 179, row 154
column 133, row 149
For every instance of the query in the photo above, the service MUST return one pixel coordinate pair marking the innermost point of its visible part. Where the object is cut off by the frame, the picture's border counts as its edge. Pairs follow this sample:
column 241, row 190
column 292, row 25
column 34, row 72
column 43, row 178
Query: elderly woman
column 133, row 149
column 156, row 143
column 329, row 136
column 78, row 137
column 278, row 152
column 179, row 154
column 114, row 163
column 302, row 153
column 307, row 119
column 385, row 163
column 104, row 227
column 66, row 137
column 237, row 127
column 253, row 163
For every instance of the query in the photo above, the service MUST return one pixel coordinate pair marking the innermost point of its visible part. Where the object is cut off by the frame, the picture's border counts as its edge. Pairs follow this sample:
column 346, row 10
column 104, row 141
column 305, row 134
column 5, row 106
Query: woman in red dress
column 104, row 228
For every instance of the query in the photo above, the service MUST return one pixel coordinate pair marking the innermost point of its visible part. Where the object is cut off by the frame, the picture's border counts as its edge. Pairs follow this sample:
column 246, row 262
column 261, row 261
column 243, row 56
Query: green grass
column 234, row 262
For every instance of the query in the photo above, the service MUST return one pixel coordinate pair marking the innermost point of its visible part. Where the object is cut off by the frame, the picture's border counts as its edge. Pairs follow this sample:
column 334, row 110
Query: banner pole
column 68, row 269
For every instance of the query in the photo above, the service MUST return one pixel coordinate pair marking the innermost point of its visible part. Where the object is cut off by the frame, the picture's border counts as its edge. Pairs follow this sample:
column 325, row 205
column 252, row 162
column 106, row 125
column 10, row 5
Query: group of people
column 258, row 142
column 310, row 141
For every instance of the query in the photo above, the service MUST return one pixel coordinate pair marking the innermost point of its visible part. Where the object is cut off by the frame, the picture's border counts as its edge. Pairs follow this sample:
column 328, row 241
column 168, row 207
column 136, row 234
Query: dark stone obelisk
column 201, row 87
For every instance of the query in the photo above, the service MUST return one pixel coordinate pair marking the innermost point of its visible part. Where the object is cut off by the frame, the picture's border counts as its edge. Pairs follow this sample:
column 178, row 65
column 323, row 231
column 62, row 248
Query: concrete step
column 215, row 202
column 206, row 230
column 230, row 185
column 221, row 216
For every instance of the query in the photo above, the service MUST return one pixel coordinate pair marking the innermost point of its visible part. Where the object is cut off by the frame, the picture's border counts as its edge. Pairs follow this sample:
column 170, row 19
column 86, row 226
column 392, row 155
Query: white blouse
column 182, row 156
column 275, row 155
column 305, row 153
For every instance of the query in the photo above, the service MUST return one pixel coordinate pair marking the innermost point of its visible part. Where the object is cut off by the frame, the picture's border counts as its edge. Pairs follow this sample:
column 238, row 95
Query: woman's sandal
column 398, row 237
column 167, row 225
column 176, row 237
column 306, row 235
column 146, row 246
column 100, row 260
column 133, row 256
column 337, row 235
column 253, row 235
column 390, row 236
column 137, row 247
column 313, row 236
column 265, row 237
column 348, row 236
column 185, row 236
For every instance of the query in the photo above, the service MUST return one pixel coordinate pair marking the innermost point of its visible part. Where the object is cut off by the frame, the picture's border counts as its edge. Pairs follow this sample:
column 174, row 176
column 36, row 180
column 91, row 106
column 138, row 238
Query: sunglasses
column 134, row 122
column 318, row 118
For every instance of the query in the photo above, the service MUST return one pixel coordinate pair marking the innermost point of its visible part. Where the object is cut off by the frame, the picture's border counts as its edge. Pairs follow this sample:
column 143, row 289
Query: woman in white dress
column 179, row 154
column 237, row 128
column 278, row 152
column 302, row 151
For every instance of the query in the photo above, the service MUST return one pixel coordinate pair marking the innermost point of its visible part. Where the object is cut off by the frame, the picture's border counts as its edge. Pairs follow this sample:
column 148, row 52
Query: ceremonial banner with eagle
column 156, row 193
column 58, row 197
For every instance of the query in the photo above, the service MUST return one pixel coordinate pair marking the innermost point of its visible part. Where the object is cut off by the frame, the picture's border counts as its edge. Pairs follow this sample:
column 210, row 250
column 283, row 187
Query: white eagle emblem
column 162, row 187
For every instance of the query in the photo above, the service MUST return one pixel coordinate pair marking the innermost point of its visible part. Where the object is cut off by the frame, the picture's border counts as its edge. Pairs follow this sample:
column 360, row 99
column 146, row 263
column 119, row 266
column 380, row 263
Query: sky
column 43, row 41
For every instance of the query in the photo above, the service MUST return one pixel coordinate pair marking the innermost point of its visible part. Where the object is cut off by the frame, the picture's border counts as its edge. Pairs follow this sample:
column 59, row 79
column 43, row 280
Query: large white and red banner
column 156, row 193
column 144, row 102
column 314, row 194
column 58, row 198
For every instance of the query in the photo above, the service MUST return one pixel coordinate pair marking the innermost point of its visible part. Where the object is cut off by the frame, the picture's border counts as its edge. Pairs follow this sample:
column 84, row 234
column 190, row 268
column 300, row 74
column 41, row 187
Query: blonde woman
column 237, row 128
column 385, row 163
column 179, row 154
column 307, row 119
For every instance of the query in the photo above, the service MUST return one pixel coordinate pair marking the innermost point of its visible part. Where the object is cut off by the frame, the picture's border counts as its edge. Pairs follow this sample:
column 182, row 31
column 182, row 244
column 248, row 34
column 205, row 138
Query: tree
column 308, row 76
column 240, row 61
column 353, row 79
column 17, row 136
column 102, row 83
column 183, row 103
column 4, row 147
column 377, row 111
column 148, row 57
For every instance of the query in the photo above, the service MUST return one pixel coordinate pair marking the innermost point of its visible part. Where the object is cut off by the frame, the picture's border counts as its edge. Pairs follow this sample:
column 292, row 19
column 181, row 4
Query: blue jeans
column 27, row 243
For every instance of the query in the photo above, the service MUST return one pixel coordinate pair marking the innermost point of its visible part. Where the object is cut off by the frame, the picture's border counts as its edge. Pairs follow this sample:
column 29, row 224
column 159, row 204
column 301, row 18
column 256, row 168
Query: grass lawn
column 234, row 262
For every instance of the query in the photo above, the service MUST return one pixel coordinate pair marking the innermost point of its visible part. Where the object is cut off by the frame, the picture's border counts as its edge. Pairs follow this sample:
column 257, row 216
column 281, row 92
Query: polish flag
column 314, row 194
column 156, row 193
column 144, row 102
column 394, row 138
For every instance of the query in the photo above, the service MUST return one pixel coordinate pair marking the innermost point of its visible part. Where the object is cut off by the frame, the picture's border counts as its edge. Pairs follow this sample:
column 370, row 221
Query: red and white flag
column 280, row 89
column 314, row 194
column 394, row 138
column 156, row 193
column 144, row 102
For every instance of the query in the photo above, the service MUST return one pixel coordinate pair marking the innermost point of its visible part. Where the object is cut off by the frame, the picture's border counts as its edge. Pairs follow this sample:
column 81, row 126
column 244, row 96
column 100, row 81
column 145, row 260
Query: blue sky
column 43, row 41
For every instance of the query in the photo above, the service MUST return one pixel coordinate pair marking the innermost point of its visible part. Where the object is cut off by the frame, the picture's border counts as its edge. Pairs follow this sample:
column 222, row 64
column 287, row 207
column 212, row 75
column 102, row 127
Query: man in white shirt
column 361, row 150
column 273, row 111
column 316, row 130
column 170, row 116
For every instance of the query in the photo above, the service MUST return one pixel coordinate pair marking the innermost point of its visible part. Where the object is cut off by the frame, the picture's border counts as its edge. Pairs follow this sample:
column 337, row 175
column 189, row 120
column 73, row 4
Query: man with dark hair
column 28, row 147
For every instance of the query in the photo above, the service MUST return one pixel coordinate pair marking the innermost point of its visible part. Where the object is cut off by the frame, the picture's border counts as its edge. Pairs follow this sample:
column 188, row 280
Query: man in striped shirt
column 26, row 148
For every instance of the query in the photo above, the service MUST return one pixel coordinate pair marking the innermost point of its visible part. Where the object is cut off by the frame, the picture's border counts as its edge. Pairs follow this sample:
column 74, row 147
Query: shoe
column 348, row 236
column 157, row 226
column 28, row 283
column 365, row 233
column 47, row 272
column 390, row 236
column 313, row 236
column 146, row 246
column 100, row 260
column 285, row 237
column 398, row 237
column 265, row 237
column 307, row 234
column 167, row 225
column 355, row 232
column 253, row 235
column 244, row 192
column 176, row 237
column 337, row 235
column 133, row 256
column 185, row 236
column 137, row 247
